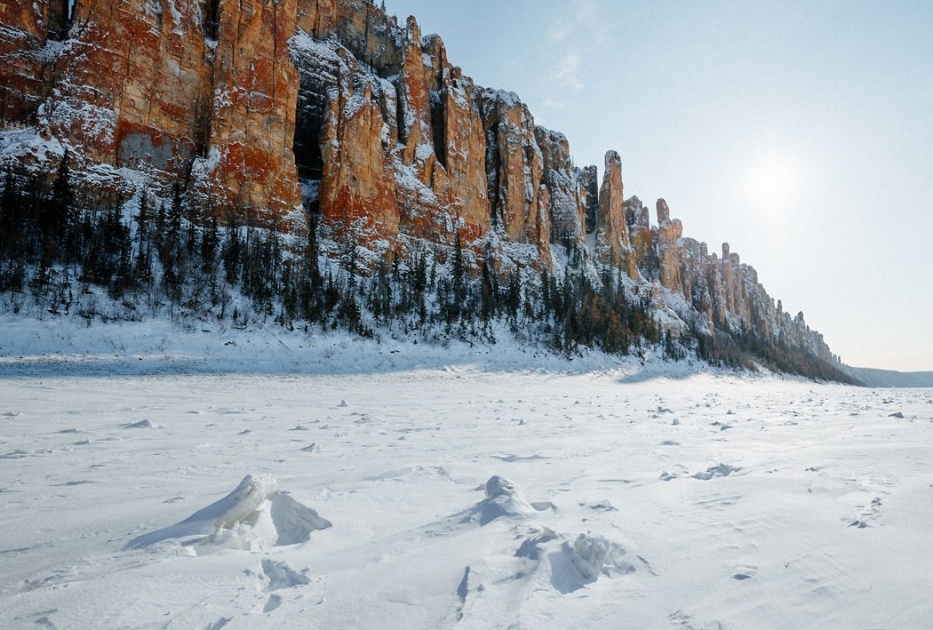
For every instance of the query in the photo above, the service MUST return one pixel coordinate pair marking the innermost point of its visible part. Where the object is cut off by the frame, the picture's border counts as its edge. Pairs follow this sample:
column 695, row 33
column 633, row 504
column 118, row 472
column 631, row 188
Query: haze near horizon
column 802, row 135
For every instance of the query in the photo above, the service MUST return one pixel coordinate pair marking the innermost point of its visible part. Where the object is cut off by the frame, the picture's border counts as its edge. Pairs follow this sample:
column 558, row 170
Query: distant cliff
column 282, row 110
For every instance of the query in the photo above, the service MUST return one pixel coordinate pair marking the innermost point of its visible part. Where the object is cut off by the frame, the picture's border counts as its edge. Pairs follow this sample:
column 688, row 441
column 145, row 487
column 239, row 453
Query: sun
column 772, row 183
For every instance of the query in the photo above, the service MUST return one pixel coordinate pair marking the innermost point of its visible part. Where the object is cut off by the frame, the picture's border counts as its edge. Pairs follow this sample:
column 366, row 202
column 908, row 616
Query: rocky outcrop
column 252, row 121
column 172, row 88
column 26, row 29
column 458, row 137
column 243, row 101
column 514, row 165
column 414, row 104
column 256, row 107
column 669, row 248
column 612, row 239
column 350, row 163
column 642, row 237
column 568, row 191
column 712, row 293
column 31, row 22
column 691, row 261
column 370, row 35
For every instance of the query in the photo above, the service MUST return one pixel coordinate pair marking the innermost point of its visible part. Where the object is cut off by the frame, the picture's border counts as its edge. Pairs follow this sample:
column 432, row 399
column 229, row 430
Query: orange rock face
column 317, row 18
column 669, row 233
column 24, row 69
column 252, row 103
column 612, row 239
column 513, row 166
column 370, row 35
column 357, row 185
column 640, row 234
column 141, row 86
column 391, row 141
column 415, row 131
column 462, row 142
column 255, row 90
column 133, row 86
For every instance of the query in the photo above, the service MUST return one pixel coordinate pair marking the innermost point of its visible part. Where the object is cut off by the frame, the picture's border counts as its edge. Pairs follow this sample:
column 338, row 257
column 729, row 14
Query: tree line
column 193, row 263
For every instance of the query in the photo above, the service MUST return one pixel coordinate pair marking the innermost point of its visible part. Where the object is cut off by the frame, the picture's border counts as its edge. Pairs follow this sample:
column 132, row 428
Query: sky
column 801, row 133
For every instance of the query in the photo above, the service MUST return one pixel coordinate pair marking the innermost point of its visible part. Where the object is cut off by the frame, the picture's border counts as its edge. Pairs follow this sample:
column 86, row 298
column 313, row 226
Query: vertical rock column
column 669, row 233
column 612, row 239
column 567, row 207
column 317, row 18
column 253, row 117
column 458, row 179
column 346, row 123
column 513, row 171
column 728, row 280
column 415, row 133
column 693, row 255
column 640, row 235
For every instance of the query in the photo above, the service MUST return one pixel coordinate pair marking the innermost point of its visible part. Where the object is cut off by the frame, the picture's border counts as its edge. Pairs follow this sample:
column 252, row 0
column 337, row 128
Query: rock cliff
column 173, row 88
column 613, row 245
column 267, row 110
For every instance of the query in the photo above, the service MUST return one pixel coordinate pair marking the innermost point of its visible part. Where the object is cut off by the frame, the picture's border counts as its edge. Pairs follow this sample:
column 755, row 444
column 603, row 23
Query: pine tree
column 209, row 240
column 458, row 273
column 60, row 215
column 9, row 219
column 232, row 250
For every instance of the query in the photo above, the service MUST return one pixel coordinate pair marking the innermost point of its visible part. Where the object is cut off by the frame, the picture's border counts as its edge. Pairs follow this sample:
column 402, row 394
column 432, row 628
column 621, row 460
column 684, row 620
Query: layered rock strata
column 176, row 87
column 267, row 110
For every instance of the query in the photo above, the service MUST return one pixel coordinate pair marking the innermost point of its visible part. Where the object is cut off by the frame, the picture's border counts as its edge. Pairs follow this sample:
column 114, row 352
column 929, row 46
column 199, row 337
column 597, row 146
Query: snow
column 15, row 143
column 506, row 98
column 254, row 515
column 157, row 477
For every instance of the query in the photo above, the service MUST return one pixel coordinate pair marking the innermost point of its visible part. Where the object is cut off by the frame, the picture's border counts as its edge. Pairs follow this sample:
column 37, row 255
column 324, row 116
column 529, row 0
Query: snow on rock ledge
column 254, row 517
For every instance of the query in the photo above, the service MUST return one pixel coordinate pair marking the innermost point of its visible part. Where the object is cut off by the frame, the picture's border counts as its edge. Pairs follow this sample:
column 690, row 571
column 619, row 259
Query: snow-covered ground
column 151, row 479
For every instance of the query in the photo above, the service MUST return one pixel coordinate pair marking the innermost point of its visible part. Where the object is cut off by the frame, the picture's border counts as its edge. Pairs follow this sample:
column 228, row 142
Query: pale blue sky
column 708, row 101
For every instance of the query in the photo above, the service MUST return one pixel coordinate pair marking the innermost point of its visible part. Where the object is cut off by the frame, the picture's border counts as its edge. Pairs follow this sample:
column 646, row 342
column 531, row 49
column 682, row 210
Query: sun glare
column 772, row 183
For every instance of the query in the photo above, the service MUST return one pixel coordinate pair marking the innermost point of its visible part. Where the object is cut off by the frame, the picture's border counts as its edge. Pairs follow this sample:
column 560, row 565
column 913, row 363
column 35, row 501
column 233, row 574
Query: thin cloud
column 578, row 29
column 583, row 22
column 568, row 72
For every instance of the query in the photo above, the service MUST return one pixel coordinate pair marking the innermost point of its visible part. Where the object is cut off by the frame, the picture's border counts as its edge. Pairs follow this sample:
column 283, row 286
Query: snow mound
column 502, row 499
column 142, row 424
column 254, row 516
column 280, row 575
column 574, row 564
column 722, row 470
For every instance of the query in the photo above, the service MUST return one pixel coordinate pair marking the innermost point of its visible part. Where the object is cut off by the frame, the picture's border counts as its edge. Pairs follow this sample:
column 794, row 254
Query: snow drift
column 254, row 516
column 503, row 498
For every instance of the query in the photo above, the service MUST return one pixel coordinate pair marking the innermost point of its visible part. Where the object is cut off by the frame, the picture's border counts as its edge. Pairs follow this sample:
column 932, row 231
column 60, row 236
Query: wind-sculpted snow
column 464, row 498
column 254, row 513
column 572, row 564
column 502, row 499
